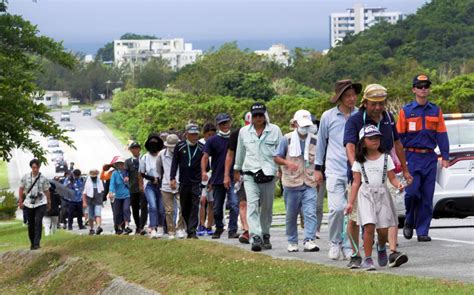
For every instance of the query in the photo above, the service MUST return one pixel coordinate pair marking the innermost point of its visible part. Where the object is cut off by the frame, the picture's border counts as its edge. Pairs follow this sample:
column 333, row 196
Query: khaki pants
column 169, row 201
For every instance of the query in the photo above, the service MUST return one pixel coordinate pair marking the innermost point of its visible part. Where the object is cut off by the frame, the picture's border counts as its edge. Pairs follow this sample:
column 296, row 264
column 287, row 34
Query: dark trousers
column 63, row 211
column 220, row 193
column 74, row 209
column 189, row 200
column 35, row 224
column 121, row 209
column 139, row 209
column 25, row 215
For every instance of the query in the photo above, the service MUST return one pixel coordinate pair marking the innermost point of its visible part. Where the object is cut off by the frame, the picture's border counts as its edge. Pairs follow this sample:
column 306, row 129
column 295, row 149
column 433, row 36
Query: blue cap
column 369, row 131
column 222, row 117
column 192, row 129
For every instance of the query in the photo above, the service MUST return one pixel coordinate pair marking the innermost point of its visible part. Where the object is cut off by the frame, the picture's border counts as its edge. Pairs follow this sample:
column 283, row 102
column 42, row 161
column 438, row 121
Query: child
column 375, row 207
column 50, row 219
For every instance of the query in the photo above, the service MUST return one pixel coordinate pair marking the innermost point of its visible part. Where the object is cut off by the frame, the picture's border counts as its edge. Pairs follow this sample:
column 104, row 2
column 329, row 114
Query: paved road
column 449, row 256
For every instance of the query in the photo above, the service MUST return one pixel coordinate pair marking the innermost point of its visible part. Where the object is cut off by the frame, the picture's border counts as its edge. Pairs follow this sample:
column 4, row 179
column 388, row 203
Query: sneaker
column 118, row 231
column 143, row 232
column 334, row 251
column 310, row 246
column 180, row 233
column 368, row 264
column 233, row 235
column 64, row 226
column 382, row 257
column 355, row 262
column 82, row 227
column 424, row 239
column 346, row 253
column 217, row 234
column 395, row 259
column 127, row 231
column 244, row 237
column 159, row 232
column 293, row 248
column 171, row 237
column 69, row 228
column 91, row 232
column 99, row 230
column 266, row 242
column 192, row 236
column 407, row 231
column 201, row 231
column 153, row 234
column 209, row 231
column 257, row 244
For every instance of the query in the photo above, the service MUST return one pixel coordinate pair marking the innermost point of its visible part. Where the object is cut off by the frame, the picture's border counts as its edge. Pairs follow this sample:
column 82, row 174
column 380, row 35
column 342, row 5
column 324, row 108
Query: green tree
column 19, row 115
column 155, row 74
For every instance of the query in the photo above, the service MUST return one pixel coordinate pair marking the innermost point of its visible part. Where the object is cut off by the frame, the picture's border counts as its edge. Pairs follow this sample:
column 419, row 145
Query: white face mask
column 190, row 143
column 223, row 134
column 313, row 129
column 303, row 130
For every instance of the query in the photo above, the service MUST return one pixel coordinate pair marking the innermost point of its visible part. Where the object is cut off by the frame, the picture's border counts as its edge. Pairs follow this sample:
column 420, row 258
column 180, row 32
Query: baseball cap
column 134, row 144
column 303, row 118
column 192, row 129
column 421, row 78
column 222, row 117
column 258, row 108
column 369, row 131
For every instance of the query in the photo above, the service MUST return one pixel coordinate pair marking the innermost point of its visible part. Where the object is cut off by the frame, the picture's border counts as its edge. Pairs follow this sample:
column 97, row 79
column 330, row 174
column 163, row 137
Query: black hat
column 154, row 136
column 258, row 108
column 421, row 78
column 134, row 144
column 222, row 117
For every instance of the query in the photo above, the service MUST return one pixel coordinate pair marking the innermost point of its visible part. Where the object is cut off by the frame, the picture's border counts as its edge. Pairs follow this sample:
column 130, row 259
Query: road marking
column 446, row 240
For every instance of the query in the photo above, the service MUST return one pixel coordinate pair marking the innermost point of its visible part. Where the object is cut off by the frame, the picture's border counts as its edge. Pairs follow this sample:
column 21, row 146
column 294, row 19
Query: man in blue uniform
column 421, row 128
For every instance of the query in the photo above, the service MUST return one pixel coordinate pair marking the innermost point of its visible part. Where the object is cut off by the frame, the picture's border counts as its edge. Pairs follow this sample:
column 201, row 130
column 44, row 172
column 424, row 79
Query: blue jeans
column 304, row 200
column 220, row 193
column 156, row 209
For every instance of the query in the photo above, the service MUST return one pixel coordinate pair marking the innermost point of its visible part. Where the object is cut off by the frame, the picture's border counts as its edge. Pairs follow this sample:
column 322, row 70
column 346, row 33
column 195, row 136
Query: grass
column 197, row 266
column 4, row 184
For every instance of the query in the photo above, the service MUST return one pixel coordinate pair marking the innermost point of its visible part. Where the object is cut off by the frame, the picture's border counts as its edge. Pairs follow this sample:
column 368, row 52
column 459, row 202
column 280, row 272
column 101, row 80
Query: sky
column 99, row 21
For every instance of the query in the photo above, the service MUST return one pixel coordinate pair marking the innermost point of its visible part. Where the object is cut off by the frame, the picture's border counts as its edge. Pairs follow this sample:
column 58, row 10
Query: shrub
column 8, row 205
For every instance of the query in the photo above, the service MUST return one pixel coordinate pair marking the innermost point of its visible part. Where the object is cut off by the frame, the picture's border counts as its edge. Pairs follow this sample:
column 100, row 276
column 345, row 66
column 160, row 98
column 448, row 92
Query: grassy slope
column 198, row 266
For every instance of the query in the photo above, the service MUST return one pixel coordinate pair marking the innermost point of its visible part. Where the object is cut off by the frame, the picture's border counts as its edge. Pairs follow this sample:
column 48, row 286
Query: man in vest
column 295, row 153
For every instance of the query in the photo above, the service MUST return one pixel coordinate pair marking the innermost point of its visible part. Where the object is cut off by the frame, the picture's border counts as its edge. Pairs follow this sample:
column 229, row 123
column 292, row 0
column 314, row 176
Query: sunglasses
column 424, row 86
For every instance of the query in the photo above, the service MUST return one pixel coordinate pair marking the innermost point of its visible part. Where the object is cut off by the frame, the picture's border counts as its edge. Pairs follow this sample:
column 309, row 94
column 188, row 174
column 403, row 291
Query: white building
column 175, row 51
column 357, row 19
column 53, row 98
column 278, row 53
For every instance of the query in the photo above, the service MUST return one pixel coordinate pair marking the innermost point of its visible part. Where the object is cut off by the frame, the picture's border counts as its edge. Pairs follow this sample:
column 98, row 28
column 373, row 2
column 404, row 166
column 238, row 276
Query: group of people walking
column 352, row 153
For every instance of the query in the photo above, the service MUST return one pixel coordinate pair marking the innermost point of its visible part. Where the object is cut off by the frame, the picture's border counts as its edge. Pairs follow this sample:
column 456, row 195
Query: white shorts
column 375, row 206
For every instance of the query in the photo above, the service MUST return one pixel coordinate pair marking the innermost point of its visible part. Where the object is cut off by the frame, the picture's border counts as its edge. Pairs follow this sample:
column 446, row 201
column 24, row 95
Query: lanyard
column 378, row 124
column 189, row 154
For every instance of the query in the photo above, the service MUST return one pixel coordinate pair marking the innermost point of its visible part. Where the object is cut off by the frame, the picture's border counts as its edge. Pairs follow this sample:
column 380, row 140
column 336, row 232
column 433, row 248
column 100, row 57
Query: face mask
column 190, row 143
column 313, row 129
column 303, row 130
column 153, row 147
column 94, row 178
column 223, row 134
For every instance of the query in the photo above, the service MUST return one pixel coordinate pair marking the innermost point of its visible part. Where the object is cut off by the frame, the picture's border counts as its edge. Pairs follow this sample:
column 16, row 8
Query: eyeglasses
column 424, row 86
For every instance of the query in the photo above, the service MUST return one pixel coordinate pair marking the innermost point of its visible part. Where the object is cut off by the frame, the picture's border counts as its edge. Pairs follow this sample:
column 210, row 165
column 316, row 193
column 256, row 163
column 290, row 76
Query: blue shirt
column 118, row 186
column 330, row 142
column 216, row 147
column 77, row 185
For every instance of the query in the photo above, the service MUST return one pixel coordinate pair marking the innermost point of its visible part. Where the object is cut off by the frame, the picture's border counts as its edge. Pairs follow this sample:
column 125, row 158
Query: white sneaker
column 181, row 233
column 334, row 251
column 310, row 246
column 347, row 253
column 171, row 237
column 153, row 234
column 292, row 248
column 160, row 232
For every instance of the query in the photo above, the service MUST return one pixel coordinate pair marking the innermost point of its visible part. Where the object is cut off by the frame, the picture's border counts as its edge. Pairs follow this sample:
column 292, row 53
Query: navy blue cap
column 222, row 117
column 192, row 128
column 421, row 78
column 258, row 108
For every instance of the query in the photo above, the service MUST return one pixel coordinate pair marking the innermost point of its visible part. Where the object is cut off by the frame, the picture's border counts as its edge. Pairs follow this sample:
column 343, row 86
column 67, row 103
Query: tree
column 19, row 115
column 155, row 74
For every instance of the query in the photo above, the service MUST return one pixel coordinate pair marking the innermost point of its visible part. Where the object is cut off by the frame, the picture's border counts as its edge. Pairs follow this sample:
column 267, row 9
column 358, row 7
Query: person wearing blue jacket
column 119, row 196
column 74, row 206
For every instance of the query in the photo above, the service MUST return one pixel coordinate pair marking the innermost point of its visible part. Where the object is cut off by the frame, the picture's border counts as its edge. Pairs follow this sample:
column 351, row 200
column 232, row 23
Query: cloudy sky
column 99, row 21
